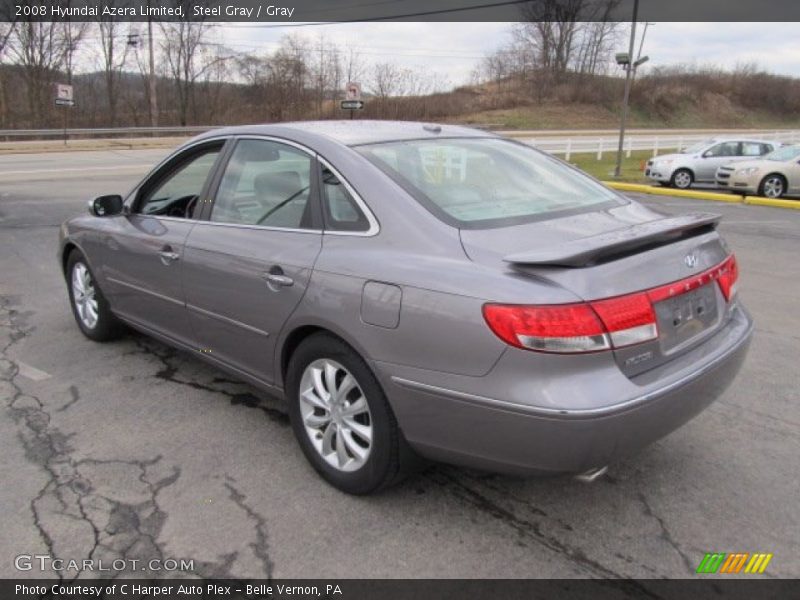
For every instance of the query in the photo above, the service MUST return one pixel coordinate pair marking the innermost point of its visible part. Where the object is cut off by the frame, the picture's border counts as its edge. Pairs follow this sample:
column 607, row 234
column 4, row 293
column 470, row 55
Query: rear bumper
column 561, row 432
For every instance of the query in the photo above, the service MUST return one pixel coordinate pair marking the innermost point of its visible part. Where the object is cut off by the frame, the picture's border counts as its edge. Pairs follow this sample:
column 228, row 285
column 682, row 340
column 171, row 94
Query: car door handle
column 278, row 280
column 168, row 256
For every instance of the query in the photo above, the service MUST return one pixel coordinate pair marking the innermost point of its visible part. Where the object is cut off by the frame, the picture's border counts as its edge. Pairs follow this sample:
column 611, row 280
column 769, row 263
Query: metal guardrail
column 10, row 134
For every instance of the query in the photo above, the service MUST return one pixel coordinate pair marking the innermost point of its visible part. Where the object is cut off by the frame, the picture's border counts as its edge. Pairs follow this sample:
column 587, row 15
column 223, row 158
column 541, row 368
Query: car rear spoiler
column 587, row 251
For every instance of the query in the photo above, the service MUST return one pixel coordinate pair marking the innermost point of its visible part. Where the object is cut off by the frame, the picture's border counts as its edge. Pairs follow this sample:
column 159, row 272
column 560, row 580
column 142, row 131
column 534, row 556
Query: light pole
column 152, row 78
column 626, row 60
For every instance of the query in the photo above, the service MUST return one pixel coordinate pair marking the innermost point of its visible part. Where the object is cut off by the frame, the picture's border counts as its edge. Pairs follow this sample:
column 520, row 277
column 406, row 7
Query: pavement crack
column 74, row 397
column 665, row 533
column 260, row 546
column 114, row 528
column 532, row 530
column 169, row 372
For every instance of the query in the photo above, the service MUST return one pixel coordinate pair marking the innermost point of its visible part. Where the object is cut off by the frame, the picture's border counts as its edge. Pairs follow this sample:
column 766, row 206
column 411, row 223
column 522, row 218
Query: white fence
column 599, row 145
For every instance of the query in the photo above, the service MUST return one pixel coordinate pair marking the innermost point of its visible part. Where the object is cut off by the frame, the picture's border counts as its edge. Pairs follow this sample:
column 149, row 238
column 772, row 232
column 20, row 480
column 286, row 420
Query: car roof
column 741, row 139
column 352, row 133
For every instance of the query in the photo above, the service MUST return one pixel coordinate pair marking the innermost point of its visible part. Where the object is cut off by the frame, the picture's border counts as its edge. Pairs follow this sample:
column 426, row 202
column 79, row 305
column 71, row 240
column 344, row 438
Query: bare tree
column 6, row 29
column 39, row 48
column 114, row 47
column 182, row 47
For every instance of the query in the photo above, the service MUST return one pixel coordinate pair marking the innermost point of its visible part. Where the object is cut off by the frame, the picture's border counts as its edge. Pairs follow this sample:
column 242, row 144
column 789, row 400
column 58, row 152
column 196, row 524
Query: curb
column 775, row 203
column 662, row 191
column 698, row 195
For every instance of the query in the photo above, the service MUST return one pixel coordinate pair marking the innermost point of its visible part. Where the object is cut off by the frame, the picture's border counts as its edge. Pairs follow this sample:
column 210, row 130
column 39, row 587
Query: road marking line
column 31, row 372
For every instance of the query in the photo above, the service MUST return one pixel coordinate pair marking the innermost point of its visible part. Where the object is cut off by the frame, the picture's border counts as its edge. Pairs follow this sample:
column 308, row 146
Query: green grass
column 603, row 169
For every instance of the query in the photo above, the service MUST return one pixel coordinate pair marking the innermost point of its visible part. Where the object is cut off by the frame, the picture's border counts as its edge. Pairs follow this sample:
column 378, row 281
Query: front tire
column 89, row 306
column 772, row 186
column 682, row 179
column 341, row 417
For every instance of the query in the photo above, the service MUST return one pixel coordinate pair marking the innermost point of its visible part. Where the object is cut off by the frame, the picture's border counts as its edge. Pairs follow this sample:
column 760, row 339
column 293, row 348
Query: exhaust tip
column 592, row 474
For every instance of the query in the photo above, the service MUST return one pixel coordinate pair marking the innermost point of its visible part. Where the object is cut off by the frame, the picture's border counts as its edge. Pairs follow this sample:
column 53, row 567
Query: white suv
column 699, row 163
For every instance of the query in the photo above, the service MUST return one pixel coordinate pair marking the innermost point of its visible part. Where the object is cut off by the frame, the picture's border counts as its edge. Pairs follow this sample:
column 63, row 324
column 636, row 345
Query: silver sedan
column 418, row 290
column 773, row 176
column 699, row 163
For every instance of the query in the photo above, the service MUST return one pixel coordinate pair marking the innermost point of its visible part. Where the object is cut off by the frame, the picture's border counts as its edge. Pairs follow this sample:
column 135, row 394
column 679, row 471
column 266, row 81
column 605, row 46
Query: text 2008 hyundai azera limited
column 418, row 289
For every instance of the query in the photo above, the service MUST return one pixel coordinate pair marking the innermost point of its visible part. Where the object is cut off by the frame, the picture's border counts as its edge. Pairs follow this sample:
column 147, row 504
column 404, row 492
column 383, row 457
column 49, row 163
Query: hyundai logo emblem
column 690, row 260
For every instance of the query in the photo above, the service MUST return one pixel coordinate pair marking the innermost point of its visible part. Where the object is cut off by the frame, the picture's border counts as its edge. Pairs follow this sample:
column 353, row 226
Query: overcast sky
column 451, row 50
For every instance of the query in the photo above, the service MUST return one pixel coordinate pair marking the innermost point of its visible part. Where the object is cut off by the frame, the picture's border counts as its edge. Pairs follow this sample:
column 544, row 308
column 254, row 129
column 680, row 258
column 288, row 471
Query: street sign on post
column 64, row 95
column 64, row 98
column 352, row 104
column 352, row 97
column 352, row 91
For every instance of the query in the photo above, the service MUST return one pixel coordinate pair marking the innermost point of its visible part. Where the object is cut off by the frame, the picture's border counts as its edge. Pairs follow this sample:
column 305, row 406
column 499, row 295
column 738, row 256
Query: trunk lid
column 620, row 251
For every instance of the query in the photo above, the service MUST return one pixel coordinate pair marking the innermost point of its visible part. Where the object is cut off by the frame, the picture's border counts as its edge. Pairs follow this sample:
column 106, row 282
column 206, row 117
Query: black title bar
column 304, row 12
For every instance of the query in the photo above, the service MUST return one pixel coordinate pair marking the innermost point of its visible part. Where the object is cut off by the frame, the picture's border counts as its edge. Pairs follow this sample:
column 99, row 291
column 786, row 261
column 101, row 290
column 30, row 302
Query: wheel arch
column 690, row 170
column 299, row 332
column 66, row 252
column 775, row 174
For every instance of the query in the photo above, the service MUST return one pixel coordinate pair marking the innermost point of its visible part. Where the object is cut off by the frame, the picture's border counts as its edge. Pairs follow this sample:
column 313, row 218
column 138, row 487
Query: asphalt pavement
column 134, row 450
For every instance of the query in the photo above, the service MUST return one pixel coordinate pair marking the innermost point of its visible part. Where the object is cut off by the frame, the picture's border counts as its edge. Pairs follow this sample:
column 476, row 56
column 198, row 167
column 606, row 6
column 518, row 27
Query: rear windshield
column 487, row 182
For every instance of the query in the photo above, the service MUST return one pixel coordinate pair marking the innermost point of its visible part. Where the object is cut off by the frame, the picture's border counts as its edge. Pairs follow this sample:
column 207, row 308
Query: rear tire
column 682, row 179
column 772, row 186
column 89, row 306
column 341, row 417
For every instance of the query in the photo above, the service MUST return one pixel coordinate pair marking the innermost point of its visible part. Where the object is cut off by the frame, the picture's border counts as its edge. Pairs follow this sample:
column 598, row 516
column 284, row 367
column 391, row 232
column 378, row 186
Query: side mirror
column 106, row 206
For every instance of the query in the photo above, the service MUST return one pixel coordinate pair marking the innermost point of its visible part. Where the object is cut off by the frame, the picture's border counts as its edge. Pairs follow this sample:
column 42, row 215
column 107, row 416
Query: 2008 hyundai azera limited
column 417, row 289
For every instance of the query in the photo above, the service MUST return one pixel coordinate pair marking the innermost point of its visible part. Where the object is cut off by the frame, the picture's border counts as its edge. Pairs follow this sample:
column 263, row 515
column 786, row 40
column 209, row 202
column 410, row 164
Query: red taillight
column 554, row 328
column 629, row 319
column 599, row 324
column 728, row 276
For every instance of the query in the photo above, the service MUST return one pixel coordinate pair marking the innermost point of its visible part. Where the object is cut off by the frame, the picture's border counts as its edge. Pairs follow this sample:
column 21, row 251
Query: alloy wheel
column 683, row 180
column 84, row 296
column 335, row 415
column 773, row 187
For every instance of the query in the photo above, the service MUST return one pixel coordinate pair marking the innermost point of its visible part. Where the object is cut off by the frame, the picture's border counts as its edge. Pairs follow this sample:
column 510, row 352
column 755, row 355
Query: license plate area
column 684, row 317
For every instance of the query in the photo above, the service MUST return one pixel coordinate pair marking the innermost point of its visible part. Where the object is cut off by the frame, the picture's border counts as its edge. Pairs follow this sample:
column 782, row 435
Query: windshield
column 697, row 147
column 486, row 182
column 784, row 154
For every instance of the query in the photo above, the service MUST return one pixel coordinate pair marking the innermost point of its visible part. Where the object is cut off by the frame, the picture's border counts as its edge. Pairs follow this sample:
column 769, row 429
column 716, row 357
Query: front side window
column 177, row 193
column 487, row 182
column 265, row 183
column 723, row 149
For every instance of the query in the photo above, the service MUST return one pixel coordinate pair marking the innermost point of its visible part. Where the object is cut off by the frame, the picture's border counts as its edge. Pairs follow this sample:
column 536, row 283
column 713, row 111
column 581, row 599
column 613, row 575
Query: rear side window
column 487, row 182
column 753, row 149
column 340, row 209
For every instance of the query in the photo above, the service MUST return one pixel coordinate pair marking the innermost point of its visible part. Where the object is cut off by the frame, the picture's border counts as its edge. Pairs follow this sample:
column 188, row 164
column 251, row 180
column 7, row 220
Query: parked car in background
column 773, row 175
column 407, row 286
column 699, row 163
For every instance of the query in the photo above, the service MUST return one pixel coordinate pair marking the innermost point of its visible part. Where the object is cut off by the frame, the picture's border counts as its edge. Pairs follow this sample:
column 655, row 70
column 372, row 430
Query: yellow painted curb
column 663, row 191
column 777, row 203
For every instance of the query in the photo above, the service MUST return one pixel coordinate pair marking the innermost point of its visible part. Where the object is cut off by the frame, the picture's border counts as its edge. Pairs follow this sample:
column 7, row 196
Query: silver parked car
column 417, row 289
column 773, row 175
column 699, row 163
